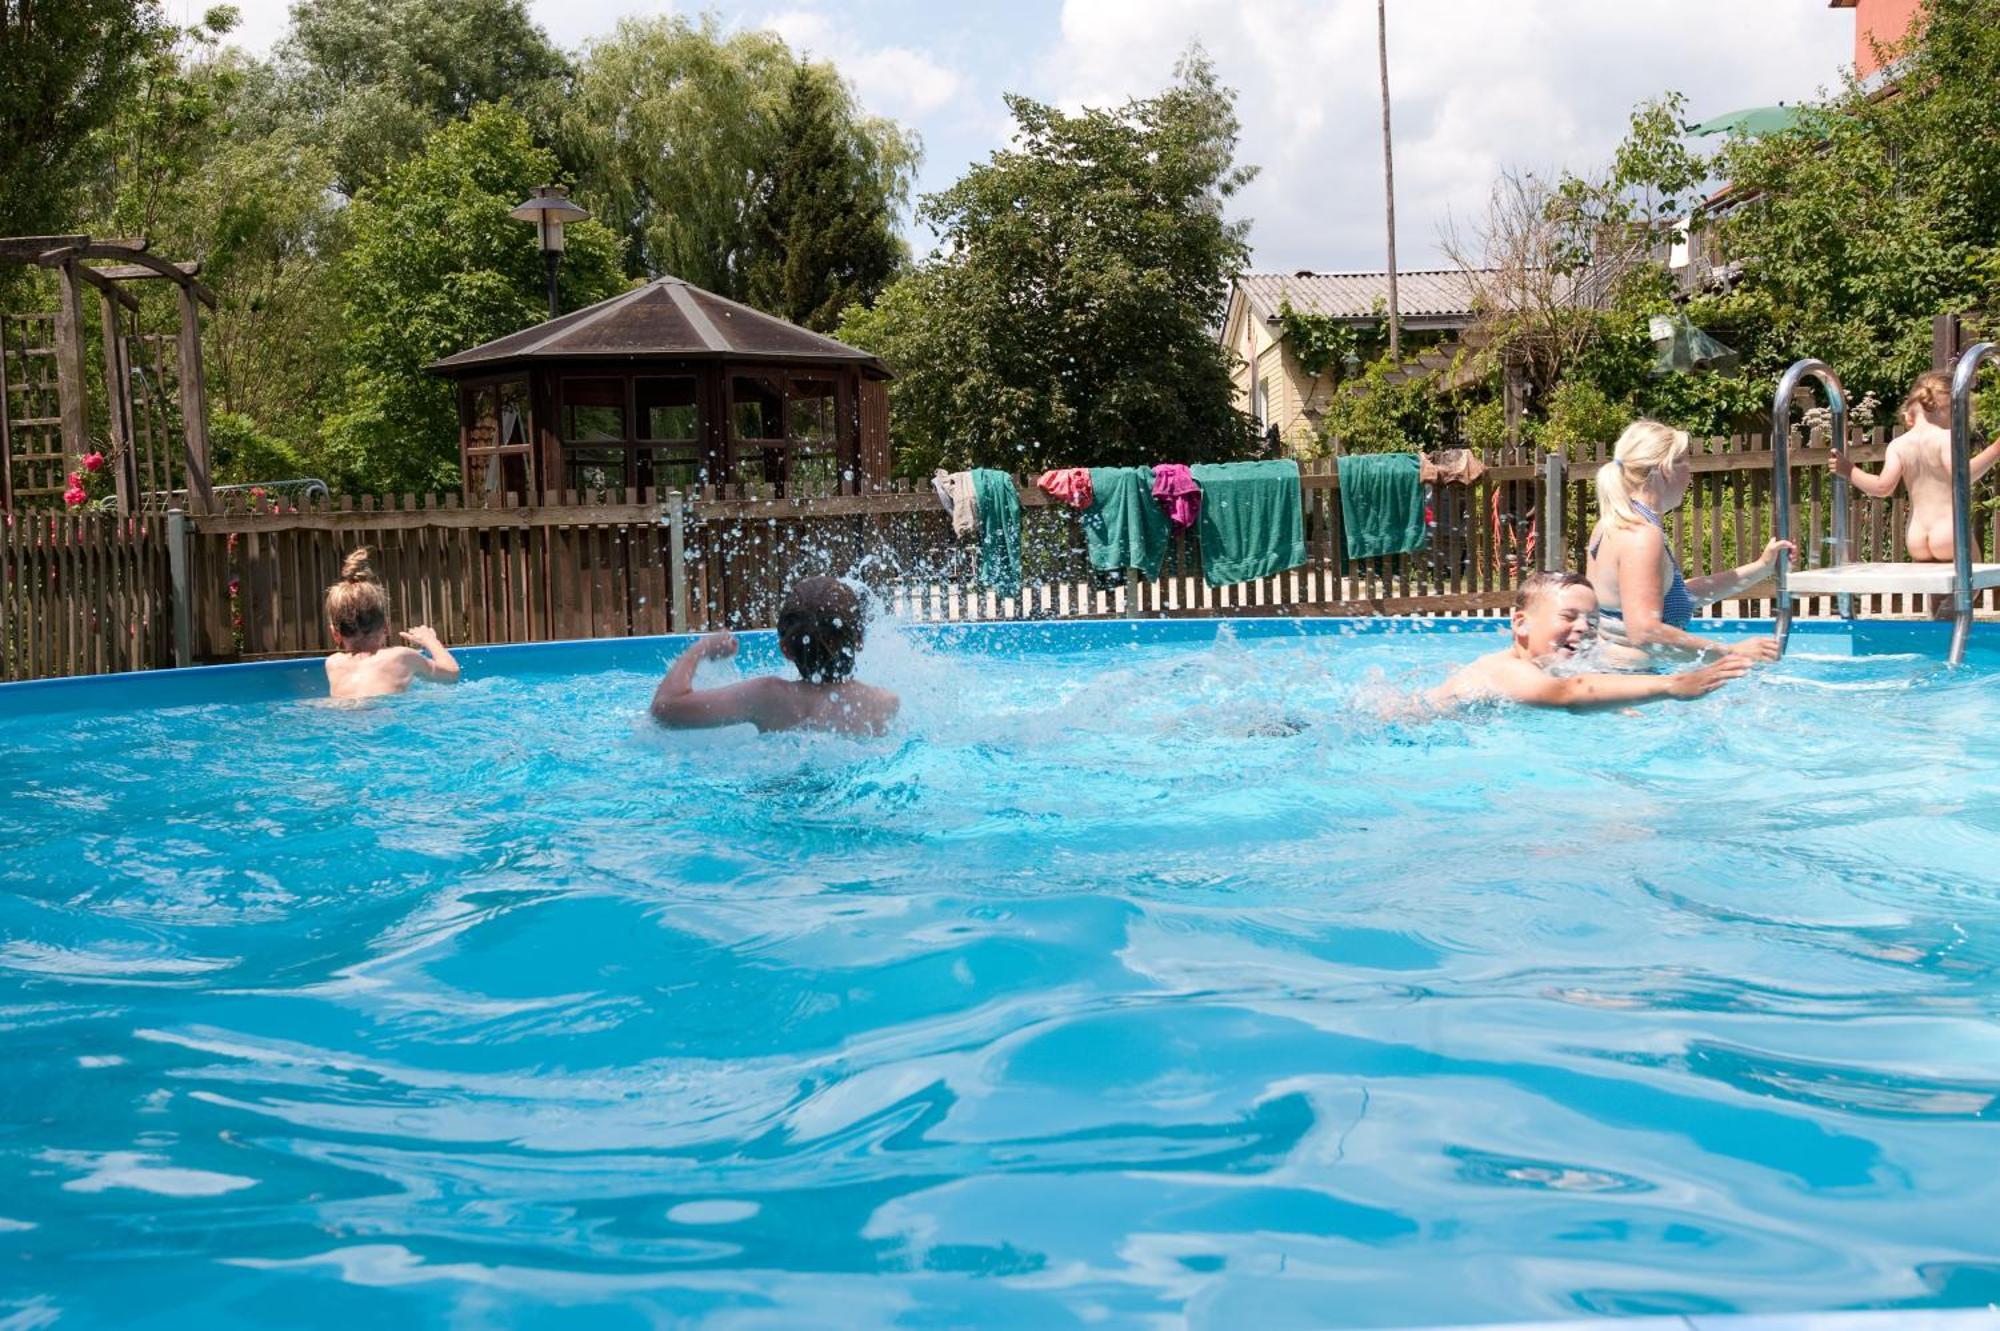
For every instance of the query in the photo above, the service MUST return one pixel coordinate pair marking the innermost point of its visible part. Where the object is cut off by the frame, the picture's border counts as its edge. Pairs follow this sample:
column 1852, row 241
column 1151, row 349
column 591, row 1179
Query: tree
column 677, row 132
column 1069, row 317
column 64, row 67
column 375, row 76
column 823, row 223
column 435, row 266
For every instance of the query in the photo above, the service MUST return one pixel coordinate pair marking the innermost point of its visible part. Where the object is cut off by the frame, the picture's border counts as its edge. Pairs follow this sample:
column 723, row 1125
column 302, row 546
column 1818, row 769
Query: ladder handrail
column 1781, row 475
column 1962, row 377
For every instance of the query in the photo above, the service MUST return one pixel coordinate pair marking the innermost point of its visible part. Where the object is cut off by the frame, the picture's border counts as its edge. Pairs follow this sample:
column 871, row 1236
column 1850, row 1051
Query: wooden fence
column 86, row 594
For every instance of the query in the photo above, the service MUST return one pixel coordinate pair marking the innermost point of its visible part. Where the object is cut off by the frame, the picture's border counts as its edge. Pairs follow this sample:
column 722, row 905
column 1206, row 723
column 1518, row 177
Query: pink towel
column 1179, row 496
column 1069, row 484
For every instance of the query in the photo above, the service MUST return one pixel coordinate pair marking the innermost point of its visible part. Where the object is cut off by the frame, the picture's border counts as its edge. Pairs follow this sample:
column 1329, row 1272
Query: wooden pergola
column 104, row 266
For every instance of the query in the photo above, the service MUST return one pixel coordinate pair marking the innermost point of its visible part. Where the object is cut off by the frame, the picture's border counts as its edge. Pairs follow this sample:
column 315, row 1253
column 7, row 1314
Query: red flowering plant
column 90, row 484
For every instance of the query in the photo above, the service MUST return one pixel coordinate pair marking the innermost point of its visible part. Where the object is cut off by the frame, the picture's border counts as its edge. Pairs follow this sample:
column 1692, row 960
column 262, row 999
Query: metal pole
column 1388, row 179
column 677, row 588
column 1134, row 587
column 554, row 259
column 1781, row 470
column 1961, row 493
column 177, row 573
column 1553, row 473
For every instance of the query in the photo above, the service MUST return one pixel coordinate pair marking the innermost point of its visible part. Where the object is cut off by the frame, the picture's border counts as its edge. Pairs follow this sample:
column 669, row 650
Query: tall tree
column 435, row 266
column 64, row 66
column 376, row 76
column 675, row 127
column 823, row 223
column 1070, row 316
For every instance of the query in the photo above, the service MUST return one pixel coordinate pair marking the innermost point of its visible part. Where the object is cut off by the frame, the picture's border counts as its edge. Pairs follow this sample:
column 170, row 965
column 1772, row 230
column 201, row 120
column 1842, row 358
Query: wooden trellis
column 155, row 410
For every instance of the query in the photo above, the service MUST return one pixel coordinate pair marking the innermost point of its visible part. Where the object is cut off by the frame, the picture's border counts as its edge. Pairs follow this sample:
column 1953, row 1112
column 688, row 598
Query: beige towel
column 955, row 493
column 1454, row 466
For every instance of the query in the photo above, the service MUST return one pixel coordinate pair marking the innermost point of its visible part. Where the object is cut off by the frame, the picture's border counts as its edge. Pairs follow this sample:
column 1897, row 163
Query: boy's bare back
column 1923, row 456
column 371, row 674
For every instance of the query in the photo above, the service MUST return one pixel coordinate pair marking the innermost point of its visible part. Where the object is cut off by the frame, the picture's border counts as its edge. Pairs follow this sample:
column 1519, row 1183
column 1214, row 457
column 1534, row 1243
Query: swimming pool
column 1142, row 978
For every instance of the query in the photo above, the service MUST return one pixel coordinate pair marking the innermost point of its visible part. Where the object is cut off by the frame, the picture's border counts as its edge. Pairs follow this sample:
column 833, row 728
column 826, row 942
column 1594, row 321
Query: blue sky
column 1478, row 85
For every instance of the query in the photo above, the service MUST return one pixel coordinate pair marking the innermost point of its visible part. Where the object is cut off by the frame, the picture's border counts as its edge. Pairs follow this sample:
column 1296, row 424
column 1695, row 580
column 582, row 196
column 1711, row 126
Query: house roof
column 666, row 319
column 1444, row 294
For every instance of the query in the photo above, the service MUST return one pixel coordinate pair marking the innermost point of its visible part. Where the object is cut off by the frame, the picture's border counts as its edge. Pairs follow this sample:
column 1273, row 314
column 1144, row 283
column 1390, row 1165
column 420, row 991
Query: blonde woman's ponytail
column 1643, row 449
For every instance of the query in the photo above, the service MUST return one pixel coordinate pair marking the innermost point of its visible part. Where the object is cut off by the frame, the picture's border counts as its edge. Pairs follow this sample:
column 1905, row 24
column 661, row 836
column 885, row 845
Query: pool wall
column 304, row 677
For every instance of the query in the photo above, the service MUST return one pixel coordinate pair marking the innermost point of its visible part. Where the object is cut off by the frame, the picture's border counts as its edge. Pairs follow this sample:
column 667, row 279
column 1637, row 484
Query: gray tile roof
column 1441, row 293
column 664, row 318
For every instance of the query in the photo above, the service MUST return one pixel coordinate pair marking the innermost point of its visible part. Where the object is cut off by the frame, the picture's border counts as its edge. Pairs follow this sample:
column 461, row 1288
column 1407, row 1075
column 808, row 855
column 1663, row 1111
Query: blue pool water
column 1141, row 978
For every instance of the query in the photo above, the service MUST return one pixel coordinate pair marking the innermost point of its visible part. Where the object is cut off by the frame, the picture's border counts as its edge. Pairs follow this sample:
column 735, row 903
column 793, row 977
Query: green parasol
column 1750, row 123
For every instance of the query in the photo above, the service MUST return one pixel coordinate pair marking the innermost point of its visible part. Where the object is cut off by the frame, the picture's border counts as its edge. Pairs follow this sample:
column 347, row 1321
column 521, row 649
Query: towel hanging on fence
column 1252, row 521
column 954, row 491
column 1124, row 527
column 1179, row 497
column 1382, row 504
column 1069, row 484
column 999, row 530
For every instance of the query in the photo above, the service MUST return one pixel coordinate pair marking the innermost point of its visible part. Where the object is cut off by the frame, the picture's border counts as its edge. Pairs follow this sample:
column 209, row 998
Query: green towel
column 1252, row 523
column 1124, row 526
column 999, row 530
column 1382, row 504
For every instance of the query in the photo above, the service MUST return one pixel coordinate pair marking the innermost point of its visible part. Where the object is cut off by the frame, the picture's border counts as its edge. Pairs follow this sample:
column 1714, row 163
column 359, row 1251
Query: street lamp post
column 550, row 210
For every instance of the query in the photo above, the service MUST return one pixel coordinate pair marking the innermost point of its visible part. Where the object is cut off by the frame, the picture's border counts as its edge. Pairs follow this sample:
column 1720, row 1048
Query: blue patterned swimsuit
column 1676, row 606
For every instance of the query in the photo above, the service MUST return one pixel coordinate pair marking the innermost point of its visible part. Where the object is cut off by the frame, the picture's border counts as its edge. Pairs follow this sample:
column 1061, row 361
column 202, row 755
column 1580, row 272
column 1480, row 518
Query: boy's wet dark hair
column 1546, row 583
column 820, row 628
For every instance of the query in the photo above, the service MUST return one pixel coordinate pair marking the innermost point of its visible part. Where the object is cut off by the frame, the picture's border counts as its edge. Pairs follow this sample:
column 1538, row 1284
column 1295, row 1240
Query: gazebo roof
column 666, row 319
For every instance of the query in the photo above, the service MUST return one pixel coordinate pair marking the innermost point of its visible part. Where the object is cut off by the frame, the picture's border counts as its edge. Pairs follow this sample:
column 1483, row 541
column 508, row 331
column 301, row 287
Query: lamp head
column 550, row 209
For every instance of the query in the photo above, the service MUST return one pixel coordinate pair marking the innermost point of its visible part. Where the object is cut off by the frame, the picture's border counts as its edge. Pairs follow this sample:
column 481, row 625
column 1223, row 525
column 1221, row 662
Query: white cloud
column 897, row 81
column 1477, row 86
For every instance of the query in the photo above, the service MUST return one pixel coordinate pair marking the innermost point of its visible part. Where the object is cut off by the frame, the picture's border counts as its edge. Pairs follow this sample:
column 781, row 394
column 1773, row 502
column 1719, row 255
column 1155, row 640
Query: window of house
column 668, row 407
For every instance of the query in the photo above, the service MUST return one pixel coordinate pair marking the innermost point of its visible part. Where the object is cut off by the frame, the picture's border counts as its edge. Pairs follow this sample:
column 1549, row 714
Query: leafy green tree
column 435, row 265
column 1069, row 317
column 823, row 223
column 678, row 133
column 375, row 76
column 65, row 66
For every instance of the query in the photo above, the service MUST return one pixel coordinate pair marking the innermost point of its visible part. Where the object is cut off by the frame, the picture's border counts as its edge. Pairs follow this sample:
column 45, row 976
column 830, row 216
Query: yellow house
column 1270, row 384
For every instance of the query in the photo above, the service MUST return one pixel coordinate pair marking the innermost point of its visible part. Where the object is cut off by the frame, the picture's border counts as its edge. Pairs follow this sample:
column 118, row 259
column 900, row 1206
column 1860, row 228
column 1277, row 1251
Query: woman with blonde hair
column 1646, row 605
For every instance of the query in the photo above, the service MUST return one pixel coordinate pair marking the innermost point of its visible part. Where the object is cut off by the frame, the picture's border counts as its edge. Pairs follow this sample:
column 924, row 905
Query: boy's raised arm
column 440, row 665
column 1880, row 485
column 676, row 703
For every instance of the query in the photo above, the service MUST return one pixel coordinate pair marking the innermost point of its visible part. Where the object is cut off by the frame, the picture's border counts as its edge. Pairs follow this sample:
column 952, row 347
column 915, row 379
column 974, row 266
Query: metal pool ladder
column 1845, row 579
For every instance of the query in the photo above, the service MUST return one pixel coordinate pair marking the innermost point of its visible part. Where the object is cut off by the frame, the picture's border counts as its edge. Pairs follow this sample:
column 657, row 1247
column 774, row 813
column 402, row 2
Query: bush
column 1377, row 416
column 1580, row 416
column 240, row 452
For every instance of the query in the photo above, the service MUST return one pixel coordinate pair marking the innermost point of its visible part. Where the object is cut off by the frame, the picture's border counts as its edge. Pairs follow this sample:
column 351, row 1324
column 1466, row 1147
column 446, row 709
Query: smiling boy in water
column 364, row 664
column 1555, row 615
column 820, row 628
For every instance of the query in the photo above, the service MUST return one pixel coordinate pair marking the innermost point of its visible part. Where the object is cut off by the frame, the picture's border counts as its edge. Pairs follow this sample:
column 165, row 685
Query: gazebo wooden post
column 194, row 404
column 6, row 429
column 118, row 403
column 70, row 383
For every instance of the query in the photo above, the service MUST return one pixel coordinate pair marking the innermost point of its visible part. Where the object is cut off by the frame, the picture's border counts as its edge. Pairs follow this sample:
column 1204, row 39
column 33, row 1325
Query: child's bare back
column 1919, row 460
column 820, row 630
column 364, row 664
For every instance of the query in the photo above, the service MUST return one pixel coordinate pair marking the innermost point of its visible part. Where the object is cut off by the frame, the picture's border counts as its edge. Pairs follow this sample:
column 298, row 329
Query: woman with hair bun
column 1646, row 605
column 363, row 664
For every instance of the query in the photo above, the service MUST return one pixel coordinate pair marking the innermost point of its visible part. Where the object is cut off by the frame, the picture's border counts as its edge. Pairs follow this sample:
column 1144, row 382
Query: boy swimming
column 1555, row 615
column 1920, row 458
column 819, row 631
column 365, row 665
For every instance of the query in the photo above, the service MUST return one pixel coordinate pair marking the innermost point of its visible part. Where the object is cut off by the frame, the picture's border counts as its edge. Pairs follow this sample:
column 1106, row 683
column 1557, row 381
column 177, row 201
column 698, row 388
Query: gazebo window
column 498, row 435
column 668, row 408
column 756, row 428
column 812, row 428
column 593, row 411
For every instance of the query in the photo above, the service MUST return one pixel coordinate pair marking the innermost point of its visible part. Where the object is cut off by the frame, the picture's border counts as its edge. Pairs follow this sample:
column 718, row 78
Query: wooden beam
column 29, row 249
column 131, row 272
column 137, row 257
column 117, row 392
column 194, row 403
column 70, row 382
column 109, row 289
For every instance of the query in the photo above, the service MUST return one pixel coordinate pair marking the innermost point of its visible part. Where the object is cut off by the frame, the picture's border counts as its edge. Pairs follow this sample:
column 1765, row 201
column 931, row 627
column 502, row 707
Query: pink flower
column 93, row 462
column 75, row 480
column 74, row 496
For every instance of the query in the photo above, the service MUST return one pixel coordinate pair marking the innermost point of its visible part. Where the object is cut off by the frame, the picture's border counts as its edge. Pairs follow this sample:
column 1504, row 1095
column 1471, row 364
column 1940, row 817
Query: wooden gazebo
column 668, row 385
